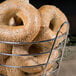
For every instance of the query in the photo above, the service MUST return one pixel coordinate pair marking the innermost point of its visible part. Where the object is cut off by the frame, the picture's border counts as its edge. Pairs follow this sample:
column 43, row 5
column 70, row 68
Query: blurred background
column 68, row 67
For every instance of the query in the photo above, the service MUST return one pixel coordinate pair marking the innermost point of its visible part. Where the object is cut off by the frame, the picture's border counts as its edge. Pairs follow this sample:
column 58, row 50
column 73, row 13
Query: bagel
column 17, row 72
column 4, row 48
column 13, row 71
column 53, row 15
column 23, row 1
column 39, row 74
column 3, row 70
column 52, row 18
column 27, row 13
column 7, row 71
column 31, row 60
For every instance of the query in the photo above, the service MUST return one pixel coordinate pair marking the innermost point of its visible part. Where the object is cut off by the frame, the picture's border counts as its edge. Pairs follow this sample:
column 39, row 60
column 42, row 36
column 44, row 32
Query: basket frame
column 51, row 50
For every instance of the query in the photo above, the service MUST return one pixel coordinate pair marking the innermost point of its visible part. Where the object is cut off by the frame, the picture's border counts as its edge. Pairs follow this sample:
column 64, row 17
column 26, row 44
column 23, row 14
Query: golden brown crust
column 3, row 70
column 13, row 71
column 19, row 1
column 18, row 72
column 39, row 74
column 5, row 48
column 52, row 18
column 53, row 15
column 30, row 17
column 45, row 34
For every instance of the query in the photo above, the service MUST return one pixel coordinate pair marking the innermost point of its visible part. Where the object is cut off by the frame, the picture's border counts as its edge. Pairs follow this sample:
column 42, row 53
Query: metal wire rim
column 35, row 54
column 34, row 42
column 30, row 66
column 53, row 46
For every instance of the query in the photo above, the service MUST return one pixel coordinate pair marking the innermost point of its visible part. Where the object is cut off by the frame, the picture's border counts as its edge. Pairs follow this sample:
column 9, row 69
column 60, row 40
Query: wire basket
column 57, row 62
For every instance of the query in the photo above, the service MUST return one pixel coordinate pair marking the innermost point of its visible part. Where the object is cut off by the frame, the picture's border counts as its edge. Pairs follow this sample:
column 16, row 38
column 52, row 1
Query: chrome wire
column 53, row 48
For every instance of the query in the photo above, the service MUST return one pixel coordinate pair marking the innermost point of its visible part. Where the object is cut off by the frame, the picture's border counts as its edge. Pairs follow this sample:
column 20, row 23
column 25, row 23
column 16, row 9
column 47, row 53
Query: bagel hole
column 51, row 26
column 16, row 21
column 26, row 73
column 35, row 49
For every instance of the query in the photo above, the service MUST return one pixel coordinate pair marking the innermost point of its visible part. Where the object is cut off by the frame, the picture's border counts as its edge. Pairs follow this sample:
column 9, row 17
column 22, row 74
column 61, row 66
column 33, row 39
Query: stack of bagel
column 21, row 22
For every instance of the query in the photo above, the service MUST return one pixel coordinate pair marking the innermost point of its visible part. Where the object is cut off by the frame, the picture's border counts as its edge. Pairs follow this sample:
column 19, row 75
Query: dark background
column 68, row 7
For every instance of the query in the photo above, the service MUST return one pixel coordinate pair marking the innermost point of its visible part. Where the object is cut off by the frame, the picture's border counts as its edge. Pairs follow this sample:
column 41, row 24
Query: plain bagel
column 52, row 19
column 28, row 14
column 17, row 72
column 13, row 71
